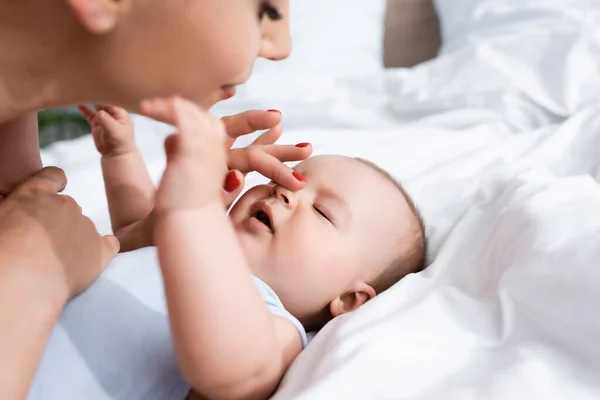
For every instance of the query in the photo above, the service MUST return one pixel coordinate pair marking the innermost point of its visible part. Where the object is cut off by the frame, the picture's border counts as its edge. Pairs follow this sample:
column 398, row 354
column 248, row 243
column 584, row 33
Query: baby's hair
column 405, row 259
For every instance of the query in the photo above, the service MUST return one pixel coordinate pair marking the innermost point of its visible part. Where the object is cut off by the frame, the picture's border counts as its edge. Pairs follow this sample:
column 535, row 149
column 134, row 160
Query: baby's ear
column 98, row 16
column 358, row 295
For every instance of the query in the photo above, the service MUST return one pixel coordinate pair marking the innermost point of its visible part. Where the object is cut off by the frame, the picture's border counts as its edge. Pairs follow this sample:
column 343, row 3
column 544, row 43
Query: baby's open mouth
column 263, row 218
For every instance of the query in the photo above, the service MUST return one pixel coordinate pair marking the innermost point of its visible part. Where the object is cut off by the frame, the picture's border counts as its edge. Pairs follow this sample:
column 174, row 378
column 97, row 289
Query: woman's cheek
column 236, row 54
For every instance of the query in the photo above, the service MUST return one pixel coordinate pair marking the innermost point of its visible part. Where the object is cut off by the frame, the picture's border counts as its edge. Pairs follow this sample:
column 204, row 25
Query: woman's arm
column 42, row 264
column 19, row 151
column 28, row 313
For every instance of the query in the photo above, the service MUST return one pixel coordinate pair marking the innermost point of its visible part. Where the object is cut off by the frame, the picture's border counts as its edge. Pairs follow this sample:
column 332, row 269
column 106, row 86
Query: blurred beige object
column 412, row 33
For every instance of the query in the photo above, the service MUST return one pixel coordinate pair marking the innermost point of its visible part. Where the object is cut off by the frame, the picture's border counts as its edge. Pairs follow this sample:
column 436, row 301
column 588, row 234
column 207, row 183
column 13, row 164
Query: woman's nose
column 276, row 43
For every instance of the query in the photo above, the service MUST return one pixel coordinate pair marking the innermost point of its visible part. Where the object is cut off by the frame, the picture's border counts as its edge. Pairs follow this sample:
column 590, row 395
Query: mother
column 60, row 52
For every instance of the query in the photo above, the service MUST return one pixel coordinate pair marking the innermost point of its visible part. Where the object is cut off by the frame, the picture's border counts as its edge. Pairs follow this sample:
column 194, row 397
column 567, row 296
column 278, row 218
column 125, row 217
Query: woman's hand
column 46, row 235
column 263, row 155
column 49, row 253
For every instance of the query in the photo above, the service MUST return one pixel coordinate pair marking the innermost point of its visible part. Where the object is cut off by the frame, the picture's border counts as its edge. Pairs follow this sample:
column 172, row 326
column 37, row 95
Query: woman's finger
column 246, row 159
column 232, row 187
column 110, row 248
column 288, row 152
column 49, row 180
column 250, row 121
column 254, row 159
column 269, row 137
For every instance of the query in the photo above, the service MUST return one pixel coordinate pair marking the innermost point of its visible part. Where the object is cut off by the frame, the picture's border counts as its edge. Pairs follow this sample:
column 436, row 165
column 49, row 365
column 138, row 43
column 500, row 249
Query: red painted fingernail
column 299, row 176
column 275, row 111
column 303, row 145
column 231, row 181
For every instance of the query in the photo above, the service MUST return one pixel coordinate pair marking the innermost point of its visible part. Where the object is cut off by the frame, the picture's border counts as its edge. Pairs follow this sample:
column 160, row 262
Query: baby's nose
column 284, row 196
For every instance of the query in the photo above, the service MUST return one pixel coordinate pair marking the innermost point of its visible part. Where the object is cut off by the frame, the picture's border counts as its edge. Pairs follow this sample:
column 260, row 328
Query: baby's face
column 311, row 246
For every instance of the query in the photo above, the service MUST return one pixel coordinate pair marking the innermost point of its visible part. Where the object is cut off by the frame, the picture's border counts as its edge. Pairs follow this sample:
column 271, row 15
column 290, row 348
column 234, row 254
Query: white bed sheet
column 499, row 142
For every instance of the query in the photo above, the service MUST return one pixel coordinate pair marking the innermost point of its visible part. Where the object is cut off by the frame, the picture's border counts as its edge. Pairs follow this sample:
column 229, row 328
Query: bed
column 489, row 113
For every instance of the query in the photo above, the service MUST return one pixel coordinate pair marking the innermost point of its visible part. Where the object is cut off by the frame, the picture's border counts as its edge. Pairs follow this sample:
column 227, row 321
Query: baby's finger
column 161, row 110
column 115, row 112
column 250, row 121
column 108, row 121
column 265, row 164
column 269, row 137
column 180, row 113
column 87, row 112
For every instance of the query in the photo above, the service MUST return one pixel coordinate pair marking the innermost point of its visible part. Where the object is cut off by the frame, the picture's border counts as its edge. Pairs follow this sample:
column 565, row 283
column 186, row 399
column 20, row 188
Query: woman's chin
column 227, row 91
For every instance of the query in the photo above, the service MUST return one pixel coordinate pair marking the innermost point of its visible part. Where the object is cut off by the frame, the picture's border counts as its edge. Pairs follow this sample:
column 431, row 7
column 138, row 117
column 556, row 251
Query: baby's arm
column 129, row 188
column 228, row 344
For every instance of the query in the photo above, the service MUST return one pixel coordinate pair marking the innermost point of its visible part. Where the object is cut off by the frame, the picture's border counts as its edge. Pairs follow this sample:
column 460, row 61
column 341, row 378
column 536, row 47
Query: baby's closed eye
column 322, row 212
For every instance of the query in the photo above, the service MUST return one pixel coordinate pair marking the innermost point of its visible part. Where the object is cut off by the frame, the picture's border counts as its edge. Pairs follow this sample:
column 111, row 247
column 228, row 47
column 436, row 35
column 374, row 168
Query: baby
column 242, row 290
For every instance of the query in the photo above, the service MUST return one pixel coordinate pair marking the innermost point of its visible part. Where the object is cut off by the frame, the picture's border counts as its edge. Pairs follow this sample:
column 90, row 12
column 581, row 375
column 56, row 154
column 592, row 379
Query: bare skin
column 19, row 151
column 166, row 217
column 39, row 284
column 130, row 190
column 62, row 52
column 318, row 251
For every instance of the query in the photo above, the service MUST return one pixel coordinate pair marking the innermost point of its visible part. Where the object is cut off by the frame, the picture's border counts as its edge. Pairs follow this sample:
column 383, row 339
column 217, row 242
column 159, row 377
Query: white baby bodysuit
column 113, row 341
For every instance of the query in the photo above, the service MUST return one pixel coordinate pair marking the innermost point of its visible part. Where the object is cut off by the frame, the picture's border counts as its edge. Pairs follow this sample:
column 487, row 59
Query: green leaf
column 61, row 124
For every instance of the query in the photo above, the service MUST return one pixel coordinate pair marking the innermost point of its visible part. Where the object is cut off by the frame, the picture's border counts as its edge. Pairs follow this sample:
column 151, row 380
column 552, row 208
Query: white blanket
column 499, row 142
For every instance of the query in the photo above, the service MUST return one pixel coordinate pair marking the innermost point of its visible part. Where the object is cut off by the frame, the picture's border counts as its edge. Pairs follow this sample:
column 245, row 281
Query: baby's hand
column 196, row 155
column 112, row 129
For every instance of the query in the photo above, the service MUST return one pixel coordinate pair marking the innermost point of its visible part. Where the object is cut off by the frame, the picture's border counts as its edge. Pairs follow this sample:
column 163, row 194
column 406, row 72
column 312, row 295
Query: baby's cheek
column 304, row 245
column 313, row 259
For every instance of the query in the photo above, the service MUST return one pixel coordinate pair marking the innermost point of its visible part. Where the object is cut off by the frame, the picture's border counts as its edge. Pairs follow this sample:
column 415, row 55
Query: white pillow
column 530, row 63
column 341, row 37
column 462, row 20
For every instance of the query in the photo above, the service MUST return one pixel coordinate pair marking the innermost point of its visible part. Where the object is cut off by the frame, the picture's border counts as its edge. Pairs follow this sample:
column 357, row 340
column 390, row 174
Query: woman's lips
column 228, row 91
